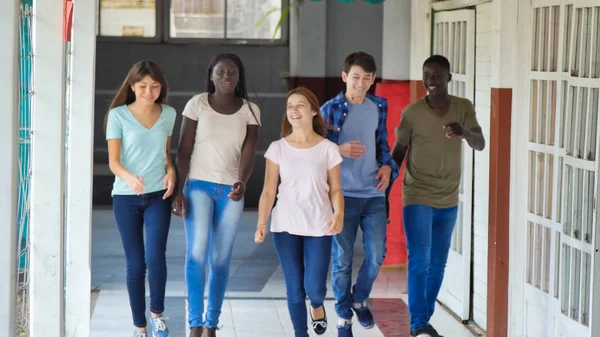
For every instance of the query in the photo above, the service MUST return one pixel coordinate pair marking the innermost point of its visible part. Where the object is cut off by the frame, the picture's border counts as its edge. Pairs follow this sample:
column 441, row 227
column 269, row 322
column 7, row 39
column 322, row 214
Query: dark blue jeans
column 428, row 236
column 370, row 215
column 305, row 263
column 131, row 213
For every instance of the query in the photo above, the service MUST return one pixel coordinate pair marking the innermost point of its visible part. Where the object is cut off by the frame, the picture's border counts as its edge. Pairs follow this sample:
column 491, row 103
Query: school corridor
column 525, row 254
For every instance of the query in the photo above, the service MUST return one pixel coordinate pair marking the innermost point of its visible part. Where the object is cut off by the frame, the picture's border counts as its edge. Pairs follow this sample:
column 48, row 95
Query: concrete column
column 308, row 39
column 79, row 170
column 308, row 46
column 396, row 40
column 47, row 179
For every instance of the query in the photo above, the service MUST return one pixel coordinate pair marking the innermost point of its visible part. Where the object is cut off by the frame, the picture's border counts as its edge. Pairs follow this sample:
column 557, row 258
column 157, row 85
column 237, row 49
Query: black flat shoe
column 319, row 325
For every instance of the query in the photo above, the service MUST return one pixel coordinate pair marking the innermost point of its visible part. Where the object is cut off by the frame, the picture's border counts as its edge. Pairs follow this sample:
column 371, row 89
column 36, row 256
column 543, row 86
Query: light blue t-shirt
column 358, row 175
column 143, row 151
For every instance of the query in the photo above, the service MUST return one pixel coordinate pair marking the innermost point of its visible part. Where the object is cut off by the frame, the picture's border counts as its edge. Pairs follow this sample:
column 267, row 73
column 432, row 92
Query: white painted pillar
column 308, row 39
column 504, row 69
column 504, row 35
column 396, row 40
column 47, row 180
column 9, row 84
column 420, row 37
column 79, row 170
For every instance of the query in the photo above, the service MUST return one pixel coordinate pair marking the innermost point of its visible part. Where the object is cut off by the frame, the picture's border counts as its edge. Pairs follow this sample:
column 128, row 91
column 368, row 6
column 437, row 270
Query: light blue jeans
column 370, row 215
column 211, row 223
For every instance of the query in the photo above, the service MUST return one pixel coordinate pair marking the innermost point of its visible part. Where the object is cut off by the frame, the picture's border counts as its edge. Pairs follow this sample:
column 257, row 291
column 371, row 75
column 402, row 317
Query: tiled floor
column 255, row 302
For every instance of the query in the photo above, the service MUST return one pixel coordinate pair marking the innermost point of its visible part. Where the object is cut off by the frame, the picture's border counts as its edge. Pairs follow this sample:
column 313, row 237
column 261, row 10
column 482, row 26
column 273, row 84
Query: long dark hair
column 240, row 89
column 318, row 123
column 139, row 70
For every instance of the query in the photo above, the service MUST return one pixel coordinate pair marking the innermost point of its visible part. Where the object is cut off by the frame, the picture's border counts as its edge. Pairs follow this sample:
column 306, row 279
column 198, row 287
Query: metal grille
column 25, row 116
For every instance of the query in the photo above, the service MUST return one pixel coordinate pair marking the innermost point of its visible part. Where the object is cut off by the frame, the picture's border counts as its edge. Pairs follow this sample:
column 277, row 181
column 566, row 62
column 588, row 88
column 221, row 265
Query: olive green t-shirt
column 433, row 162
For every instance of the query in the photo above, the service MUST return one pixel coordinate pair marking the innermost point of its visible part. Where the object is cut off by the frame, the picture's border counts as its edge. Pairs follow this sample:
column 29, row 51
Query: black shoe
column 365, row 317
column 319, row 325
column 422, row 332
column 433, row 332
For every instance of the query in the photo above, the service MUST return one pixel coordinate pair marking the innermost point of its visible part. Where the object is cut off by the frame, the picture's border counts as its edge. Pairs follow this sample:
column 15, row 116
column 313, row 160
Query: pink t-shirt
column 303, row 204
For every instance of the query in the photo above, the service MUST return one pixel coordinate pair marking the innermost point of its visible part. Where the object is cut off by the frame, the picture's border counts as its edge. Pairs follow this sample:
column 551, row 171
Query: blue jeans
column 131, row 213
column 370, row 215
column 211, row 223
column 428, row 236
column 305, row 263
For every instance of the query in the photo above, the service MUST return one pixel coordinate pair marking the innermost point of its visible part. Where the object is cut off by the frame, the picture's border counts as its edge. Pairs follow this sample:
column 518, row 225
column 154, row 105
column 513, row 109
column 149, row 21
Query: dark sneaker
column 433, row 332
column 365, row 317
column 319, row 325
column 422, row 332
column 345, row 330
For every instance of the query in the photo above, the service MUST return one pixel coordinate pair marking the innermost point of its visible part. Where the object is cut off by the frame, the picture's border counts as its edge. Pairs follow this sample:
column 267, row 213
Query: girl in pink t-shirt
column 304, row 219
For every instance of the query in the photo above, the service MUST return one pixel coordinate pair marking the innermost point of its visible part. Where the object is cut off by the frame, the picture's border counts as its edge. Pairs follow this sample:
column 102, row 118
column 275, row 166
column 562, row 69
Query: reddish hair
column 318, row 122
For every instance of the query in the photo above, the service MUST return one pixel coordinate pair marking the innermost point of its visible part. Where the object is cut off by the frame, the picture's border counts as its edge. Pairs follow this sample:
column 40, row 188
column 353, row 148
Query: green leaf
column 284, row 13
column 271, row 11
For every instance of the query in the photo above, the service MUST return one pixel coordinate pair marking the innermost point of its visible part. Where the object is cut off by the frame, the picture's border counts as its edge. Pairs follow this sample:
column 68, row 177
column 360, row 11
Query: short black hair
column 439, row 60
column 361, row 59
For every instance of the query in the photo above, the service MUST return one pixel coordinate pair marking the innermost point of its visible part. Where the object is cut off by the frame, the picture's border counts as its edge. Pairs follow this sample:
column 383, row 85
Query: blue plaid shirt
column 335, row 111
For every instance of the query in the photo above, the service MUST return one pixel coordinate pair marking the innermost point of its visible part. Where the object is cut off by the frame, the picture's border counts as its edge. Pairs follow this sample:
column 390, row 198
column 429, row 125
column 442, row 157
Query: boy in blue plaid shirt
column 356, row 120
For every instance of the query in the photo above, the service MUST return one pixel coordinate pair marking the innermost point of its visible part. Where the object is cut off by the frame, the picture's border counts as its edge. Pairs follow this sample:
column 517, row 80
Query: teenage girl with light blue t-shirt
column 138, row 130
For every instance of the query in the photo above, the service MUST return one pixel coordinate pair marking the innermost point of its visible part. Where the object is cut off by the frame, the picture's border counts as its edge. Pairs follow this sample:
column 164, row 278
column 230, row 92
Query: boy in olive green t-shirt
column 430, row 138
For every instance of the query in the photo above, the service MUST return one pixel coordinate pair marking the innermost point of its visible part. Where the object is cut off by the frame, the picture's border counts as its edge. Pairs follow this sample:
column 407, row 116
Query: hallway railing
column 25, row 116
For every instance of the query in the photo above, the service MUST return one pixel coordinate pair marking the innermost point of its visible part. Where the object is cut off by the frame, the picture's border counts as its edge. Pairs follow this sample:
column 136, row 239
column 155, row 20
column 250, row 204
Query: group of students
column 331, row 173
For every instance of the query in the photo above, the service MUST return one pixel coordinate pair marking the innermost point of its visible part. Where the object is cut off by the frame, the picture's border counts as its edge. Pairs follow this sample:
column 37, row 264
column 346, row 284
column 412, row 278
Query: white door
column 454, row 38
column 560, row 92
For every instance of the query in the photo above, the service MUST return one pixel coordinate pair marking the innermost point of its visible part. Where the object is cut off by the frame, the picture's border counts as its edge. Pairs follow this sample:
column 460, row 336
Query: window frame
column 163, row 31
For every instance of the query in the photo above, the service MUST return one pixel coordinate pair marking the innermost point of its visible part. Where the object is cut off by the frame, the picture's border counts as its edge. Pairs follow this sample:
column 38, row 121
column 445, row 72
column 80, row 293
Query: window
column 219, row 20
column 128, row 18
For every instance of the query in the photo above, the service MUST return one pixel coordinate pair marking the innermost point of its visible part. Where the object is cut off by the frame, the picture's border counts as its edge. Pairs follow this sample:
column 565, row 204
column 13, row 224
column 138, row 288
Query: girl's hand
column 261, row 232
column 169, row 183
column 136, row 184
column 336, row 224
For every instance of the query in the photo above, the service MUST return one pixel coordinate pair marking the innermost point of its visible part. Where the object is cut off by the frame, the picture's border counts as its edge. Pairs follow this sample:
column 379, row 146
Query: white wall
column 483, row 66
